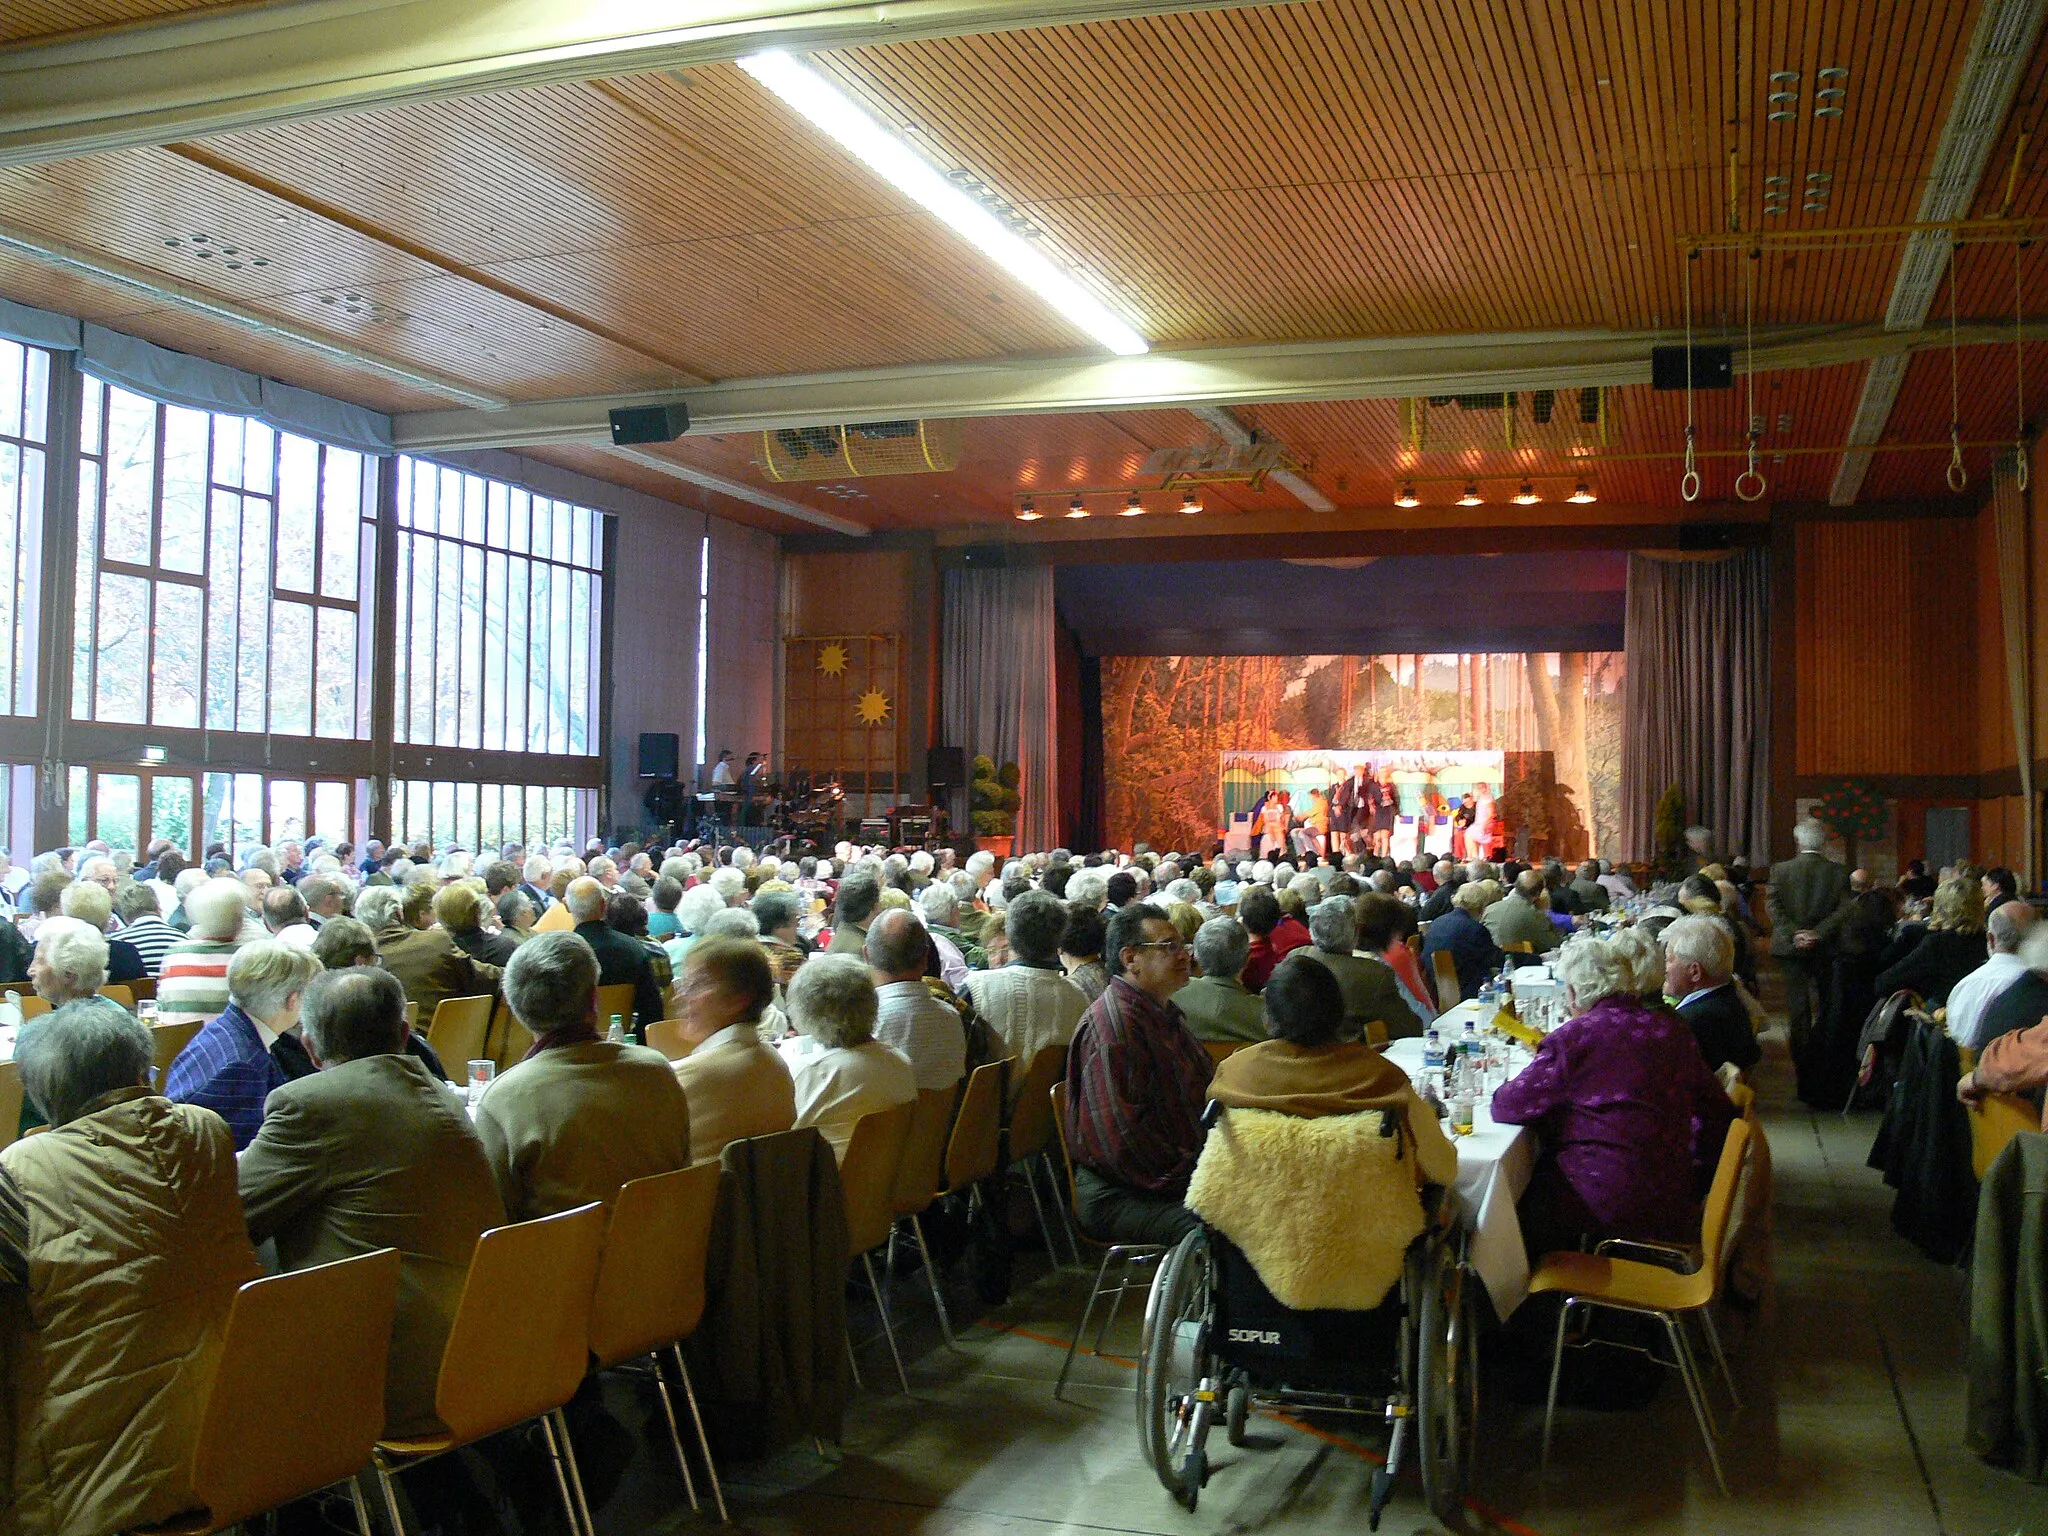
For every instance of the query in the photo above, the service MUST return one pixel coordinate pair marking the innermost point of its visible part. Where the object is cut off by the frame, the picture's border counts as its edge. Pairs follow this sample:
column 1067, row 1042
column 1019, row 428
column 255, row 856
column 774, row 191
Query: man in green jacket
column 1808, row 895
column 1217, row 1004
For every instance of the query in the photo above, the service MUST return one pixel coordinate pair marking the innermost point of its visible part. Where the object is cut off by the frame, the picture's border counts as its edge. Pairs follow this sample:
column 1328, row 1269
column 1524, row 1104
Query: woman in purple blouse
column 1630, row 1120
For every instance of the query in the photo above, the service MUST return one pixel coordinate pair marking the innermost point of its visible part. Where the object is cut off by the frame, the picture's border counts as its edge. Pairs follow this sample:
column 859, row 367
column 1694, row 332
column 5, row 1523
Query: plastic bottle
column 617, row 1033
column 1432, row 1049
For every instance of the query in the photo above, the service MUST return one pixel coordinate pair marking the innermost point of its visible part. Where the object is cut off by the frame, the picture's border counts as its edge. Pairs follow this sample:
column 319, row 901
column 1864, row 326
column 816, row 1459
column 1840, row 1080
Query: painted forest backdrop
column 1556, row 715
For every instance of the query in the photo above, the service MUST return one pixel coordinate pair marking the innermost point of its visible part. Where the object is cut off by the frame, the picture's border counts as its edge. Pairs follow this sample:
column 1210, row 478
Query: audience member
column 1523, row 916
column 860, row 895
column 90, row 904
column 1464, row 936
column 194, row 980
column 143, row 926
column 1970, row 1000
column 841, row 1071
column 1373, row 1007
column 228, row 1066
column 1081, row 949
column 1952, row 947
column 424, row 958
column 920, row 1028
column 1699, row 973
column 1216, row 1004
column 460, row 910
column 1028, row 1002
column 736, row 1086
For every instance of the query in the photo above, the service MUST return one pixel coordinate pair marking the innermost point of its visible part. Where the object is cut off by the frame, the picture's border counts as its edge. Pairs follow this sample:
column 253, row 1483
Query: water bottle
column 617, row 1033
column 1468, row 1038
column 1432, row 1050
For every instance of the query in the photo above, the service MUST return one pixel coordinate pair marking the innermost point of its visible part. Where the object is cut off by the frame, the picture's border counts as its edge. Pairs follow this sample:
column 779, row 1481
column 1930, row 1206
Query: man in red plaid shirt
column 1136, row 1083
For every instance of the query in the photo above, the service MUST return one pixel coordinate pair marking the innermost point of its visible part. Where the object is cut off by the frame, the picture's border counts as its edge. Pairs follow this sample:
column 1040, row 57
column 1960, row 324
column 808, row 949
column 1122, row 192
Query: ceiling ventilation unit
column 1556, row 420
column 861, row 450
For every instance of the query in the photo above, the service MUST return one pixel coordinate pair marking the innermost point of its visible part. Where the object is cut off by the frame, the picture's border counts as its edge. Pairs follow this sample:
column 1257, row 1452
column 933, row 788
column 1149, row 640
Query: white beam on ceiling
column 1192, row 380
column 2007, row 32
column 178, row 78
column 1234, row 431
column 740, row 491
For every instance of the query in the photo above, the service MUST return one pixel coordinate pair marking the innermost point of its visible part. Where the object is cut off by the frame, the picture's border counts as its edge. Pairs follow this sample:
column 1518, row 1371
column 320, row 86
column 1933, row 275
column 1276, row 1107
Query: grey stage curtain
column 996, row 669
column 1697, row 705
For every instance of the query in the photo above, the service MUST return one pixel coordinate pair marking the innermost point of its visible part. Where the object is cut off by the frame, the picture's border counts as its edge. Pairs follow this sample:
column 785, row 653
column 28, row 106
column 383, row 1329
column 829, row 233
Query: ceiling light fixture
column 832, row 112
column 1581, row 494
column 1190, row 503
column 1471, row 498
column 1526, row 496
column 1077, row 508
column 1407, row 498
column 1132, row 506
column 1027, row 511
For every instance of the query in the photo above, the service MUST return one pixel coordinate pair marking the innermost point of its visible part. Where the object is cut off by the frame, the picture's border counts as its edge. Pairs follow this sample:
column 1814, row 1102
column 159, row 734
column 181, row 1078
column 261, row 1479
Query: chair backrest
column 666, row 1036
column 555, row 920
column 1994, row 1120
column 1059, row 1129
column 1721, row 1196
column 1743, row 1097
column 117, row 991
column 616, row 998
column 922, row 1172
column 457, row 1033
column 1519, row 947
column 33, row 1007
column 1030, row 1108
column 1221, row 1051
column 1448, row 993
column 169, row 1040
column 412, row 1015
column 867, row 1175
column 10, row 1102
column 142, row 987
column 1415, row 945
column 975, row 1145
column 520, row 1343
column 650, row 1281
column 298, row 1398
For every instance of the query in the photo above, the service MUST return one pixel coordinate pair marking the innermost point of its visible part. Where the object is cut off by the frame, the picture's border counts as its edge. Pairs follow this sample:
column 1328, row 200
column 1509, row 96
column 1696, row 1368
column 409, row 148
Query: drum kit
column 774, row 819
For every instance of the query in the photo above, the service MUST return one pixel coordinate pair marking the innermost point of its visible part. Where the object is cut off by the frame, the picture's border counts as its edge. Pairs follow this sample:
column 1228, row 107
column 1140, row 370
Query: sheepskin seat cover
column 1324, row 1208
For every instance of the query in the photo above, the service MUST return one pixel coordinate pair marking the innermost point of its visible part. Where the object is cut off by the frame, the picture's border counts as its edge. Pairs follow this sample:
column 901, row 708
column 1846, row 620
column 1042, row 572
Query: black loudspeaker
column 985, row 555
column 650, row 423
column 946, row 765
column 1712, row 367
column 658, row 754
column 1704, row 536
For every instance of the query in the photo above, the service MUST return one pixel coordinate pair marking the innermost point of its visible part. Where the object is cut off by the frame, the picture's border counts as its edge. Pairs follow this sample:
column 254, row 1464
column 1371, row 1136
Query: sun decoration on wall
column 832, row 659
column 873, row 708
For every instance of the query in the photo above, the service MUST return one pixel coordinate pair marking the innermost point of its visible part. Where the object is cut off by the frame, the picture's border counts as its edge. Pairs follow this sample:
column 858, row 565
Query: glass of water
column 481, row 1073
column 147, row 1010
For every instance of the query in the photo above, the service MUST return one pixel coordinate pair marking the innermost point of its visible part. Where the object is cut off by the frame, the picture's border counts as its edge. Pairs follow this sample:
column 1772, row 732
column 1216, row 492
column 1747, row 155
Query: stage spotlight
column 1526, row 496
column 1190, row 503
column 1132, row 507
column 1471, row 498
column 1581, row 494
column 1407, row 498
column 1027, row 511
column 1077, row 508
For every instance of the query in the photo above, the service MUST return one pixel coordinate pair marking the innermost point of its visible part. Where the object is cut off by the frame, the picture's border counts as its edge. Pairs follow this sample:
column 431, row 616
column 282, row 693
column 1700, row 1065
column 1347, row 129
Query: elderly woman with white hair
column 842, row 1071
column 194, row 980
column 1629, row 1118
column 230, row 1067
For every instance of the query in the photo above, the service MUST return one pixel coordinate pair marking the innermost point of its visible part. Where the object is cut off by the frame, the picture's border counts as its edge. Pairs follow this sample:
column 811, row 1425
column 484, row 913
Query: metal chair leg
column 1052, row 1177
column 1706, row 1317
column 1696, row 1391
column 853, row 1360
column 556, row 1427
column 1691, row 1365
column 888, row 1328
column 1116, row 1300
column 668, row 1412
column 391, row 1501
column 1556, row 1370
column 362, row 1509
column 931, row 1275
column 703, row 1440
column 1060, row 1387
column 1038, row 1206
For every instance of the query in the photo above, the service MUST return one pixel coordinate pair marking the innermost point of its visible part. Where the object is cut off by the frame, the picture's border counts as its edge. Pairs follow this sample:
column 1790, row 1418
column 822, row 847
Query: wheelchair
column 1217, row 1344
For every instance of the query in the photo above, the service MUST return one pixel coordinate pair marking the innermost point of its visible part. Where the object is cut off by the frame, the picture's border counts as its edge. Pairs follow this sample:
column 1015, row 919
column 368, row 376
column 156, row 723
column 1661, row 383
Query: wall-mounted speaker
column 658, row 751
column 650, row 423
column 1712, row 367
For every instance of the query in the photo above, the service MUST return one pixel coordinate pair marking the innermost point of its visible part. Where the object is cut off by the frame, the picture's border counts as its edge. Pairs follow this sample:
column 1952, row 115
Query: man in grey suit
column 1806, row 900
column 373, row 1151
column 1372, row 993
column 1523, row 916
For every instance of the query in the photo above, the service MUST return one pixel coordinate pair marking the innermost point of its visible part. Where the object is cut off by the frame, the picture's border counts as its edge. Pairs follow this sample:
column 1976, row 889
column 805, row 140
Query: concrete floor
column 1851, row 1422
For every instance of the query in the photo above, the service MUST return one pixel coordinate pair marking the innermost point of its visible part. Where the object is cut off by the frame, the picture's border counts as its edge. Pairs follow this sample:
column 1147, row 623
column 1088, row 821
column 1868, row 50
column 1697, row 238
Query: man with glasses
column 1136, row 1083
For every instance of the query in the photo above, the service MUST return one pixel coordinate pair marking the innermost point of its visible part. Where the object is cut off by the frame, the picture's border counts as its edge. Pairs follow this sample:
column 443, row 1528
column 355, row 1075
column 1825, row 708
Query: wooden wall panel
column 873, row 593
column 1887, row 645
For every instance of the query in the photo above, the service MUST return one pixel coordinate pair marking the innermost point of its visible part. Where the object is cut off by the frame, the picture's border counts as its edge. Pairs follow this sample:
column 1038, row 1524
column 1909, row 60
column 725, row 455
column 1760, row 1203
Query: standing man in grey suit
column 1807, row 895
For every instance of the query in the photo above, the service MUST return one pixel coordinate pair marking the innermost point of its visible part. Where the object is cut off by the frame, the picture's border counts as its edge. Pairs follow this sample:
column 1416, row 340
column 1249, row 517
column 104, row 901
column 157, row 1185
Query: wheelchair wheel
column 1173, row 1421
column 1446, row 1381
column 1237, row 1408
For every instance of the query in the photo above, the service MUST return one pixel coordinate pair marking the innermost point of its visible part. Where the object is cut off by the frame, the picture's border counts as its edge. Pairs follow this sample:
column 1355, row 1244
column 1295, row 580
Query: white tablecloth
column 1495, row 1163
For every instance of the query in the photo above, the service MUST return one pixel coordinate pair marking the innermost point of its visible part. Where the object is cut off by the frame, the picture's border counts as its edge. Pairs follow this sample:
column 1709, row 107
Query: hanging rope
column 1750, row 485
column 1689, row 482
column 2019, row 372
column 1958, row 477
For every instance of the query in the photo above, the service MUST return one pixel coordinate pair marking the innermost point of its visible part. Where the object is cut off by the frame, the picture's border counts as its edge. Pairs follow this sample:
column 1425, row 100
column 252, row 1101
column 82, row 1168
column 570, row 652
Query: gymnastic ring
column 1762, row 485
column 1959, row 477
column 1689, row 485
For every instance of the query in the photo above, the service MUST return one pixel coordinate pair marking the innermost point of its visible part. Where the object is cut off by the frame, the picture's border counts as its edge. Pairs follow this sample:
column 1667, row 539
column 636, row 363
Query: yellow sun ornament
column 873, row 708
column 832, row 659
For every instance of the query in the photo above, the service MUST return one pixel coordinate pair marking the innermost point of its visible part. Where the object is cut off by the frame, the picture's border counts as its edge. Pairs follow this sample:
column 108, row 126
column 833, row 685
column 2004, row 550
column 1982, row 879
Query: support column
column 55, row 600
column 1784, row 677
column 384, row 649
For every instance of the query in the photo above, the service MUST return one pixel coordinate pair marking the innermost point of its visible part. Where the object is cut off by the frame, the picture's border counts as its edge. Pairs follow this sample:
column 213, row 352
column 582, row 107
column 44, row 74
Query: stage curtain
column 1697, row 706
column 997, row 667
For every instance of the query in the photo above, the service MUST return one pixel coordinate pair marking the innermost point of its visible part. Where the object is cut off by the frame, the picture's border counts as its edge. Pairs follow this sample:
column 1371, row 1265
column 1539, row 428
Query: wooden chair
column 297, row 1401
column 1653, row 1290
column 919, row 1174
column 169, row 1040
column 617, row 998
column 974, row 1150
column 1221, row 1051
column 495, row 1374
column 666, row 1036
column 1030, row 1136
column 650, row 1291
column 1519, row 947
column 1994, row 1120
column 10, row 1103
column 555, row 920
column 144, row 988
column 1448, row 992
column 33, row 1007
column 412, row 1015
column 1743, row 1097
column 457, row 1034
column 119, row 992
column 1126, row 1254
column 867, row 1180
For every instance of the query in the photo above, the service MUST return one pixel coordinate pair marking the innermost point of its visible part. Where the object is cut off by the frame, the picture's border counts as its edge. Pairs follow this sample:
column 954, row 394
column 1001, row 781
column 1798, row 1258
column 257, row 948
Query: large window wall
column 228, row 617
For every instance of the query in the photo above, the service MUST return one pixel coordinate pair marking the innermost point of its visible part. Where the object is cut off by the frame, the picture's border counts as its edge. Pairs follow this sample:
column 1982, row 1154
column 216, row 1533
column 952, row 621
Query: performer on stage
column 1351, row 808
column 753, row 790
column 723, row 776
column 1485, row 832
column 1462, row 818
column 1312, row 837
column 1383, row 809
column 1273, row 822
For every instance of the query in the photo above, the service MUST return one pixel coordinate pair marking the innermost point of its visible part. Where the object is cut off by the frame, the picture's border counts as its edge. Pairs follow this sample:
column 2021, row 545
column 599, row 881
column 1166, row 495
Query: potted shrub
column 993, row 802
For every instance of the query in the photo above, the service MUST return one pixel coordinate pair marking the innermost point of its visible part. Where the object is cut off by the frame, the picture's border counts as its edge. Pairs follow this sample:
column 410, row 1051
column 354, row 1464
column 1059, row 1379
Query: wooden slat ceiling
column 1264, row 175
column 26, row 20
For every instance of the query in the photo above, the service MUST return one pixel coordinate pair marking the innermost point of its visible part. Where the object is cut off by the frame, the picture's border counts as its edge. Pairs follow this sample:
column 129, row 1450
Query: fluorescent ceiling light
column 830, row 110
